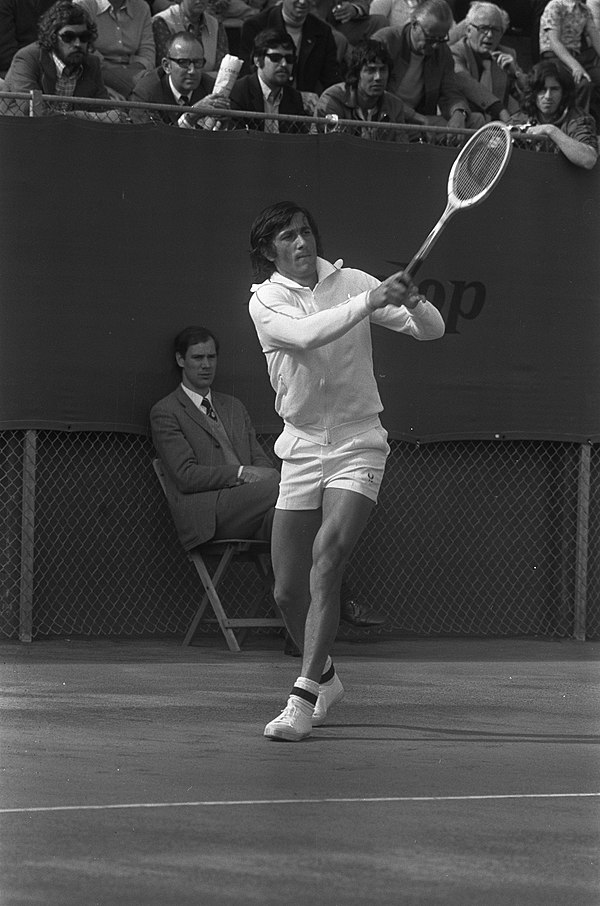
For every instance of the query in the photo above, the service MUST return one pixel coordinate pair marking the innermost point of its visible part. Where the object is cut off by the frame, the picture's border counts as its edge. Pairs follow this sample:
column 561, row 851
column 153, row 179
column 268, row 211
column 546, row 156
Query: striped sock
column 306, row 689
column 328, row 673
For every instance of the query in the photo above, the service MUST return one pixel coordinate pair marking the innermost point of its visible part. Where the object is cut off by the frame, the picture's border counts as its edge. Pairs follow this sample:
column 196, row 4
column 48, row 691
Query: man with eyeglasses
column 423, row 69
column 487, row 73
column 269, row 89
column 59, row 62
column 192, row 16
column 179, row 81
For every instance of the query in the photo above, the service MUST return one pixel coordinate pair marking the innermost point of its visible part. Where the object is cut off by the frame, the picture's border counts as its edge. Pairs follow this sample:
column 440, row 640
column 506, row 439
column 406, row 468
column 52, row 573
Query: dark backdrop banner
column 115, row 238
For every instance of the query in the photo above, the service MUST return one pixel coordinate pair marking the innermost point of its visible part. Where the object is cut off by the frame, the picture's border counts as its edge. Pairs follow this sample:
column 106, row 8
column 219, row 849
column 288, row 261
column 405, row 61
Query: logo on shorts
column 371, row 477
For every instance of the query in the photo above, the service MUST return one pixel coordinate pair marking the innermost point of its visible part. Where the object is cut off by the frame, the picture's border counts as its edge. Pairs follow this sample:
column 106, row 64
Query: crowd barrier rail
column 35, row 103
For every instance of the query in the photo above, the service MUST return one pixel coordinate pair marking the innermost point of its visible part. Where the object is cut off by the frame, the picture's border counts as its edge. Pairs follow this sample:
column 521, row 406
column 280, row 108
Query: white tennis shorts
column 308, row 468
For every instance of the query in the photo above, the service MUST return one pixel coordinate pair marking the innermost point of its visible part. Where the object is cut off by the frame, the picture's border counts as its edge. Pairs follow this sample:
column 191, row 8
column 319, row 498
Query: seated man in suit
column 268, row 90
column 179, row 81
column 423, row 68
column 487, row 73
column 219, row 481
column 192, row 16
column 317, row 61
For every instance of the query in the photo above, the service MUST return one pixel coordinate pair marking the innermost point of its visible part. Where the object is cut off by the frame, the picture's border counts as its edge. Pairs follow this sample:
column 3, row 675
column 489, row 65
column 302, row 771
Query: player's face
column 198, row 366
column 294, row 251
column 296, row 11
column 372, row 80
column 72, row 44
column 484, row 33
column 277, row 72
column 187, row 73
column 549, row 99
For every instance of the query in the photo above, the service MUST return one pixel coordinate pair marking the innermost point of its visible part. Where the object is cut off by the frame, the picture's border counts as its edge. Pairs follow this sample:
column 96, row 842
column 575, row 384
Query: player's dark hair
column 270, row 38
column 189, row 336
column 363, row 53
column 269, row 222
column 536, row 82
column 61, row 14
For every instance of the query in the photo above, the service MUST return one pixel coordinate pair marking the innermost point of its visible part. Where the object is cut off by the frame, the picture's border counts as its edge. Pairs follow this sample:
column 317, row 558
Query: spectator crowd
column 356, row 66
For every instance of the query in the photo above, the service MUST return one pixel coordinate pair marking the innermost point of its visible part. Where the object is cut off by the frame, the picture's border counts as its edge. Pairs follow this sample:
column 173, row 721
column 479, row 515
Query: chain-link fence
column 472, row 538
column 34, row 103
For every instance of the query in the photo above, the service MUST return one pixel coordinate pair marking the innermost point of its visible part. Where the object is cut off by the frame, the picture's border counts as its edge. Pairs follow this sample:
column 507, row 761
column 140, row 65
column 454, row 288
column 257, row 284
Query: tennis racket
column 474, row 173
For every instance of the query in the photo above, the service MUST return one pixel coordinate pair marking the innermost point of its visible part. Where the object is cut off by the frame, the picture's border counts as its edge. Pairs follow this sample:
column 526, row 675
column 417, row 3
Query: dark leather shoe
column 358, row 614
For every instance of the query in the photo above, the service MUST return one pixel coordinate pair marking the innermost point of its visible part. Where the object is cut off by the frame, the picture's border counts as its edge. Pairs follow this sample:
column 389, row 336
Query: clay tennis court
column 455, row 771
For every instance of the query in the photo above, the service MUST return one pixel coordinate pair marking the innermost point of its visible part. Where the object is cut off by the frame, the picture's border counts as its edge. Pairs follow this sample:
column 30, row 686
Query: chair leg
column 210, row 587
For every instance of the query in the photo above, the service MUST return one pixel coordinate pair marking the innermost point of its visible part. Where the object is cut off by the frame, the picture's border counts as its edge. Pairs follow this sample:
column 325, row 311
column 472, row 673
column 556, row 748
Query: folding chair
column 227, row 553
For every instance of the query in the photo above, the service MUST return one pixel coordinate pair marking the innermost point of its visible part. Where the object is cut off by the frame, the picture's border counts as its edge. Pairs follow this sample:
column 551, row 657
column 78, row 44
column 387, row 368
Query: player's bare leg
column 345, row 515
column 320, row 569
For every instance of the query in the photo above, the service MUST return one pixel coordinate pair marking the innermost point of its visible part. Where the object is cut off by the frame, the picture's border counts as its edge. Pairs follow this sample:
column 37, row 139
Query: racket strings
column 480, row 163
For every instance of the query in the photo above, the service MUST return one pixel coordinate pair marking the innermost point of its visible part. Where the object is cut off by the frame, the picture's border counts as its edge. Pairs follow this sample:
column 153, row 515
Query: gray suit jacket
column 193, row 460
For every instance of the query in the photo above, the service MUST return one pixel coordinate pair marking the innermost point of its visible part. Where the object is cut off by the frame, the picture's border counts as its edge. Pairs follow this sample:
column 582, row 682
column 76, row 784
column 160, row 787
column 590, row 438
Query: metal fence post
column 582, row 541
column 36, row 105
column 27, row 537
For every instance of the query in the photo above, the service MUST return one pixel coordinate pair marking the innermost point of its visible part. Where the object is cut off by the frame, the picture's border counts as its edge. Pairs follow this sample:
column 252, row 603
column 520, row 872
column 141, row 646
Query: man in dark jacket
column 268, row 90
column 317, row 65
column 18, row 27
column 59, row 62
column 179, row 81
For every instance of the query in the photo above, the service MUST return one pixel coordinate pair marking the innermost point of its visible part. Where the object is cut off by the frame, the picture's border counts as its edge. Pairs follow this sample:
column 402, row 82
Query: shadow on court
column 455, row 771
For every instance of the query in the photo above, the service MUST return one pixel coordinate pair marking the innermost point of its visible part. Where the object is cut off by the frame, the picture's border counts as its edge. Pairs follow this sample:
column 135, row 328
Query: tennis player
column 313, row 321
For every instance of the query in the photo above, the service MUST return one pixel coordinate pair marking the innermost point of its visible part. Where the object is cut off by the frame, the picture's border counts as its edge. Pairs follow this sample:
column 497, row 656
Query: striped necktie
column 208, row 409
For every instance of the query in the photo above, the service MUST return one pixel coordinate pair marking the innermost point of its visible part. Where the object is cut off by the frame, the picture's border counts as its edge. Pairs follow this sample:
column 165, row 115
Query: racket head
column 479, row 165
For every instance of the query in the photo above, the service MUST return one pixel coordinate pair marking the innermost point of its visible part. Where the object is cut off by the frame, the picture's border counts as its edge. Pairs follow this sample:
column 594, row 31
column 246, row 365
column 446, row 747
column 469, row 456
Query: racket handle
column 414, row 266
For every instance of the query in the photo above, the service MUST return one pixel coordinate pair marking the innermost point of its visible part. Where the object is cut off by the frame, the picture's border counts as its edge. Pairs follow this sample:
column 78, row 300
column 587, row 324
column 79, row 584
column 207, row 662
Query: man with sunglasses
column 423, row 68
column 179, row 81
column 487, row 73
column 59, row 62
column 268, row 90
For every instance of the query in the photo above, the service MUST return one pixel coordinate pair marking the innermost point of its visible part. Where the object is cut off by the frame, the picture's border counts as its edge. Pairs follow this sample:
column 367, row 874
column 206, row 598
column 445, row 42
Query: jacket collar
column 324, row 269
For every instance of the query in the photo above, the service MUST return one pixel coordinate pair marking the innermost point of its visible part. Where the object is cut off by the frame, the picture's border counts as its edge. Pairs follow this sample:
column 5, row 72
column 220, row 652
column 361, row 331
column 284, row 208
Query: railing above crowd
column 195, row 118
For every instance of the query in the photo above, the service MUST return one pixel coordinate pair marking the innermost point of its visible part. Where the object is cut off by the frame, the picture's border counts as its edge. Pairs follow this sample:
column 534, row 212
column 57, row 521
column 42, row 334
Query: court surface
column 455, row 771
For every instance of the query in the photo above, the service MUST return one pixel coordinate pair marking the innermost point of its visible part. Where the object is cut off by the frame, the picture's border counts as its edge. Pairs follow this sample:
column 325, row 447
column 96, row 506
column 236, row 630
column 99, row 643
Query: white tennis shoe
column 329, row 694
column 293, row 724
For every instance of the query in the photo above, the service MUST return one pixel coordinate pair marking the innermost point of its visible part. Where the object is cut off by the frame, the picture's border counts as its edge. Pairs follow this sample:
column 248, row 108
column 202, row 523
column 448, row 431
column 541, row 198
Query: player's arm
column 281, row 325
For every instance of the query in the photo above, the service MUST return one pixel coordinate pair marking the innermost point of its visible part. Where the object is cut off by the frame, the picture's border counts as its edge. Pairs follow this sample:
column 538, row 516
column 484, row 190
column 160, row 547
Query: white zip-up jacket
column 317, row 343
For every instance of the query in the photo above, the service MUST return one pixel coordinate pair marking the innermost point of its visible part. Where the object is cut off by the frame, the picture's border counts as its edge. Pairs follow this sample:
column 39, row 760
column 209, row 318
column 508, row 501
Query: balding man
column 180, row 81
column 423, row 68
column 486, row 72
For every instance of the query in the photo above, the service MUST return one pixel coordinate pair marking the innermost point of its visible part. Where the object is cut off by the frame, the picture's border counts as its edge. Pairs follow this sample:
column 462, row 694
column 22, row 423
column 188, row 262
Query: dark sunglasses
column 289, row 58
column 69, row 37
column 187, row 63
